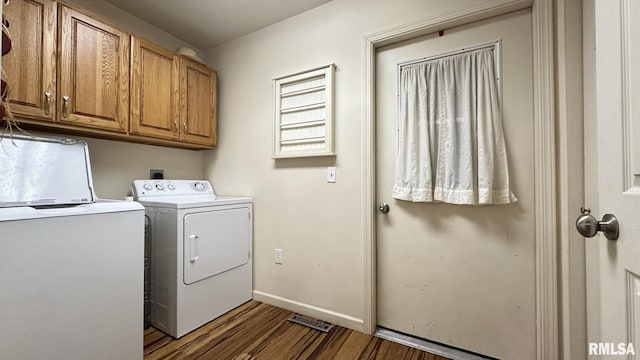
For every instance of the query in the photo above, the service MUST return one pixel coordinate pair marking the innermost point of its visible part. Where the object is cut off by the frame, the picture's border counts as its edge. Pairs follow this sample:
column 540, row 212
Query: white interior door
column 461, row 275
column 612, row 94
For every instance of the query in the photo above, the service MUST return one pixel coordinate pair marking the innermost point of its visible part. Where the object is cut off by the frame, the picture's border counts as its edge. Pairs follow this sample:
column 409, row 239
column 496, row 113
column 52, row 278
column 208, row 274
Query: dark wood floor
column 260, row 331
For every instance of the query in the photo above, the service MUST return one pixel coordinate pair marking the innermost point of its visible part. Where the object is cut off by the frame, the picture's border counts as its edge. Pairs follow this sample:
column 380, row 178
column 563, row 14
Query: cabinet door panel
column 154, row 91
column 30, row 65
column 198, row 103
column 94, row 73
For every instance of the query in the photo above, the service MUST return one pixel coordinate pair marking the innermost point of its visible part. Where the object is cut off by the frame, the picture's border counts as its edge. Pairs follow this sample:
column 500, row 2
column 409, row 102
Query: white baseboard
column 310, row 310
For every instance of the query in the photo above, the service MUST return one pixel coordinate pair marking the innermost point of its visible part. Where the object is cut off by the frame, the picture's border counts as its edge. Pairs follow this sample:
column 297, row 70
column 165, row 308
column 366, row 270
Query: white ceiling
column 206, row 23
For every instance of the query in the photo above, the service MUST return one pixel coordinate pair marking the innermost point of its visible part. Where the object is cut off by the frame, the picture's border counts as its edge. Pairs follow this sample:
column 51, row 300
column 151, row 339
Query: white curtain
column 450, row 142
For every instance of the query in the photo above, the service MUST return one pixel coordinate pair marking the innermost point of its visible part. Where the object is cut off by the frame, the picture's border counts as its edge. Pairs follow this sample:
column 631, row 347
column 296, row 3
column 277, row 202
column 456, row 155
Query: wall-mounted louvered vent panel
column 304, row 114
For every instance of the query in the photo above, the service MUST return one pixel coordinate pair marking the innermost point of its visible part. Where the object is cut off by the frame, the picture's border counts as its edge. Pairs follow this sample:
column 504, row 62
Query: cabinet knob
column 184, row 126
column 47, row 102
column 175, row 123
column 65, row 106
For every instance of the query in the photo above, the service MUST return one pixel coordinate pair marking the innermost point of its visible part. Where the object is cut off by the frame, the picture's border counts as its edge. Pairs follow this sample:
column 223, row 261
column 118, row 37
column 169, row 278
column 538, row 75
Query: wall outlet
column 331, row 174
column 278, row 256
column 156, row 174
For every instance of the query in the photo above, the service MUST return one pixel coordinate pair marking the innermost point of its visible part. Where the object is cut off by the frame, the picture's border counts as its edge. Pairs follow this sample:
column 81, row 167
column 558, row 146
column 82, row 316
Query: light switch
column 331, row 174
column 278, row 256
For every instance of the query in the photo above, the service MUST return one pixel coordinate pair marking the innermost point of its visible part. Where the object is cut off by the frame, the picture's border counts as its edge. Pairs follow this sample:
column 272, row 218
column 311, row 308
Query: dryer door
column 214, row 242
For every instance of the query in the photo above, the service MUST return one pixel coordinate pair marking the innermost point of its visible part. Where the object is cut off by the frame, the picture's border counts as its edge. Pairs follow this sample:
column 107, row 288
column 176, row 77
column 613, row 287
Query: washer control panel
column 152, row 188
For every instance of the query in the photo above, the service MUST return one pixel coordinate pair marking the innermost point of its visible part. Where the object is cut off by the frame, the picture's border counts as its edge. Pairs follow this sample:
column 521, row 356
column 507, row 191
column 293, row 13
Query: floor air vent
column 309, row 322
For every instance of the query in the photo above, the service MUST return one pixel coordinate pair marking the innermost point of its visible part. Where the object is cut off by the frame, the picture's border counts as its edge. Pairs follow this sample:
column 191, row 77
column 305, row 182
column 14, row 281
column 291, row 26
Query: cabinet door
column 198, row 101
column 154, row 90
column 94, row 72
column 30, row 66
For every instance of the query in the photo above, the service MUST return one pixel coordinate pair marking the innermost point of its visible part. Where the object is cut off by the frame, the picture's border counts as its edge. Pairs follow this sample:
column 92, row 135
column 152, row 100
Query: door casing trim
column 544, row 155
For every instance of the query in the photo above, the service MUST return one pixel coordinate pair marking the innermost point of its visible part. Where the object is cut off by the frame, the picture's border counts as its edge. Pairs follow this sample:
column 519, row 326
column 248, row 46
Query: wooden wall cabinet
column 172, row 97
column 70, row 72
column 154, row 91
column 94, row 72
column 31, row 65
column 198, row 99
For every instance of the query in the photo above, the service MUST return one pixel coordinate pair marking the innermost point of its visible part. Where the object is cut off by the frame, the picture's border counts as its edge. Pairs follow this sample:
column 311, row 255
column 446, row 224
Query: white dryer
column 201, row 252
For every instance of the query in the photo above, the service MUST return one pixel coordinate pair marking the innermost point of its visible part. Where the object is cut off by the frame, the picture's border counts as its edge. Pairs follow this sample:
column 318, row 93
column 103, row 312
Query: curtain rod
column 491, row 44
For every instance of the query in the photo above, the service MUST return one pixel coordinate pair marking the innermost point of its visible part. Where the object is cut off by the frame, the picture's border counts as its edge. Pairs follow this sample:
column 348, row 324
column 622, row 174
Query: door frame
column 544, row 155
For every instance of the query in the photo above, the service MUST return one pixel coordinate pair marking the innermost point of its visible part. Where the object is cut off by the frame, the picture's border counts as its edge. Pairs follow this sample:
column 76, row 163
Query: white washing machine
column 71, row 265
column 201, row 252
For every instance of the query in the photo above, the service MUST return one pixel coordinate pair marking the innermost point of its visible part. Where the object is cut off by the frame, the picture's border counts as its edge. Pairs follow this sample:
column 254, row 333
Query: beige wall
column 116, row 164
column 319, row 226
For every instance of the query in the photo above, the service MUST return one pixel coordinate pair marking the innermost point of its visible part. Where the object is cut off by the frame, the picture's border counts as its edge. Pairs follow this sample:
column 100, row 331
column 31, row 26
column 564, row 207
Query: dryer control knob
column 171, row 187
column 198, row 186
column 159, row 186
column 148, row 186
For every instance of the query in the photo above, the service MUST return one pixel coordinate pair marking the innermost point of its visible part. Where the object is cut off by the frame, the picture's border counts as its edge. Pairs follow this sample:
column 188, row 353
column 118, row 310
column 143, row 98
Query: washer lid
column 44, row 170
